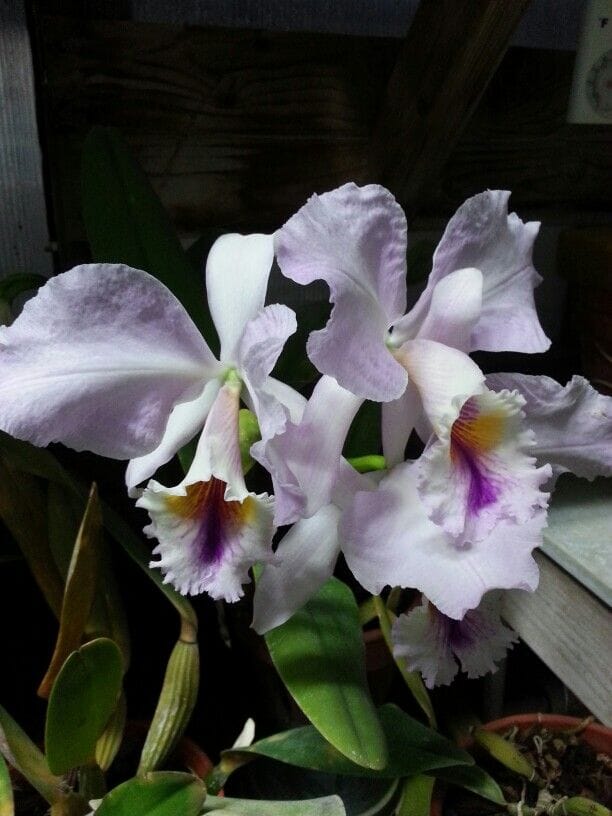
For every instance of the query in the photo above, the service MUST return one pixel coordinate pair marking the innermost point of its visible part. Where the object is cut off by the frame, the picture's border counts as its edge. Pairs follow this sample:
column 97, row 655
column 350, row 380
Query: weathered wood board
column 237, row 128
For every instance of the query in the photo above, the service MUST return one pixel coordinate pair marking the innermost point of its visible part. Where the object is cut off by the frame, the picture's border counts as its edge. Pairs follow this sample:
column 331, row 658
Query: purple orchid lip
column 473, row 436
column 216, row 520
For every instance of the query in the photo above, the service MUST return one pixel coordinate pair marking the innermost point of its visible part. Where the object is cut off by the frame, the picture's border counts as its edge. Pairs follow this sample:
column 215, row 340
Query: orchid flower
column 427, row 641
column 479, row 296
column 106, row 359
column 389, row 540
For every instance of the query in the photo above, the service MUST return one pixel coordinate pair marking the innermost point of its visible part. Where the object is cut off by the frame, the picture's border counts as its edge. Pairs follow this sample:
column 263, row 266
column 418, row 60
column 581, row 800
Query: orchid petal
column 97, row 360
column 186, row 419
column 398, row 420
column 420, row 643
column 481, row 234
column 355, row 240
column 263, row 340
column 305, row 560
column 210, row 529
column 456, row 304
column 445, row 377
column 237, row 272
column 388, row 539
column 477, row 472
column 572, row 423
column 427, row 641
column 304, row 458
column 274, row 404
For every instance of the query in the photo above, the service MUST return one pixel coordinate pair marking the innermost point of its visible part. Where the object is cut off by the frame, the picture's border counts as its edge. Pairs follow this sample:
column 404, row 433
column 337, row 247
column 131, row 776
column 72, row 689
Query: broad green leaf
column 319, row 655
column 325, row 806
column 80, row 590
column 473, row 779
column 20, row 752
column 13, row 285
column 7, row 805
column 82, row 700
column 126, row 223
column 23, row 508
column 156, row 794
column 416, row 796
column 413, row 749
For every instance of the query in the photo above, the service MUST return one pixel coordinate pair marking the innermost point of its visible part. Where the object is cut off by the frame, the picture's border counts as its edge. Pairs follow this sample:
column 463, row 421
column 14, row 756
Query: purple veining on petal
column 217, row 520
column 473, row 435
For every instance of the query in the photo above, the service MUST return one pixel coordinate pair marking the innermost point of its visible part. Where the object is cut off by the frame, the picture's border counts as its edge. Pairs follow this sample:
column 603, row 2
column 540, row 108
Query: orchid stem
column 412, row 679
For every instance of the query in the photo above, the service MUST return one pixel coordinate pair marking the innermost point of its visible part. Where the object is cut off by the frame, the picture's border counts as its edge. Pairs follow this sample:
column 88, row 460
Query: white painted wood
column 579, row 533
column 23, row 219
column 571, row 631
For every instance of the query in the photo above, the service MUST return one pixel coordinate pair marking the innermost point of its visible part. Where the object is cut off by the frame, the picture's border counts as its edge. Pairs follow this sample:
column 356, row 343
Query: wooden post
column 450, row 53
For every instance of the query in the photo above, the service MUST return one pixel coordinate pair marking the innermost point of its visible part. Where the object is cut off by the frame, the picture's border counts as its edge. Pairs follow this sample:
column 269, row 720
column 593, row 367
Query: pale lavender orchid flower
column 427, row 641
column 106, row 359
column 479, row 296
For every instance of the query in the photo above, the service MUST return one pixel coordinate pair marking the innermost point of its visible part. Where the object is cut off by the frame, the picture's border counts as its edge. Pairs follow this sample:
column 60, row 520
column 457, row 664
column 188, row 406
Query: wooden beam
column 450, row 53
column 570, row 630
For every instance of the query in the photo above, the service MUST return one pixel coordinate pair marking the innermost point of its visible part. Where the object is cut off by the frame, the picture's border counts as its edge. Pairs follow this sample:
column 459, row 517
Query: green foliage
column 25, row 756
column 156, row 794
column 7, row 805
column 82, row 700
column 126, row 223
column 473, row 779
column 413, row 748
column 319, row 655
column 326, row 806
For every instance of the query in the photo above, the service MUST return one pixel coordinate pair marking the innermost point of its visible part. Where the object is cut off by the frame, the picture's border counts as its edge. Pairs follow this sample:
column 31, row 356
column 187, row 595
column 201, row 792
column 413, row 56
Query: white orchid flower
column 106, row 359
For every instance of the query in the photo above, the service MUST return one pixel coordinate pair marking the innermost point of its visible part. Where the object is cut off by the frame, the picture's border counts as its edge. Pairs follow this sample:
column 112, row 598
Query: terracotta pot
column 599, row 737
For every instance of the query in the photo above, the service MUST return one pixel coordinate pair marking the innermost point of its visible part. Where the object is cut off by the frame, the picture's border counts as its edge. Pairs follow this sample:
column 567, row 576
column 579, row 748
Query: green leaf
column 82, row 700
column 416, row 797
column 7, row 805
column 473, row 779
column 23, row 508
column 79, row 591
column 126, row 223
column 20, row 752
column 156, row 794
column 41, row 462
column 413, row 749
column 13, row 285
column 319, row 655
column 325, row 806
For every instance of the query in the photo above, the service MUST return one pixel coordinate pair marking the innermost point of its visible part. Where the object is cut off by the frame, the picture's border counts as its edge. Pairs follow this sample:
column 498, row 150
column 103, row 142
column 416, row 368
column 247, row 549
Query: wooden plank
column 518, row 139
column 23, row 220
column 236, row 129
column 233, row 127
column 570, row 630
column 448, row 58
